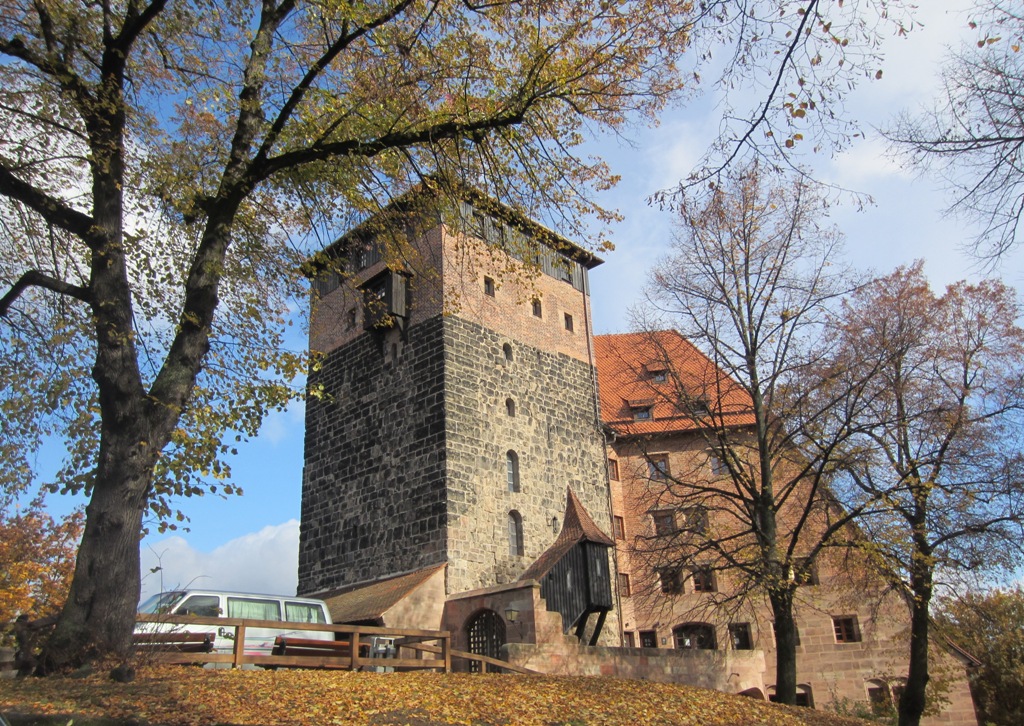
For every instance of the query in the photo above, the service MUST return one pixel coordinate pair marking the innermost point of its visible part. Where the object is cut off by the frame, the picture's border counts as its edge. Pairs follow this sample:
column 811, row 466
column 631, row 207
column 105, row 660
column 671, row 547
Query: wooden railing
column 417, row 643
column 352, row 658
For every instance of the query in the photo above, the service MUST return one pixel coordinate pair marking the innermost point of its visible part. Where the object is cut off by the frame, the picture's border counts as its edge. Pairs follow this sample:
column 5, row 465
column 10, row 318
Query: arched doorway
column 485, row 632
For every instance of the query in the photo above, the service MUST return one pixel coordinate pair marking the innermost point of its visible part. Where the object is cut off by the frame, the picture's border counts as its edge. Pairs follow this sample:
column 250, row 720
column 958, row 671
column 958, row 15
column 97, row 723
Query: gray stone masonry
column 554, row 433
column 373, row 487
column 405, row 462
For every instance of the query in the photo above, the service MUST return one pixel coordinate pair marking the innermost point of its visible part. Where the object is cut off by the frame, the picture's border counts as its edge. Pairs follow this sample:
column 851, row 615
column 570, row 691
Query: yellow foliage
column 37, row 557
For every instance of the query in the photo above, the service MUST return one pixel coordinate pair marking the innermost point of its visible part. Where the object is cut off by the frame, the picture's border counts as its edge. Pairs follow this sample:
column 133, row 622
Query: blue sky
column 251, row 542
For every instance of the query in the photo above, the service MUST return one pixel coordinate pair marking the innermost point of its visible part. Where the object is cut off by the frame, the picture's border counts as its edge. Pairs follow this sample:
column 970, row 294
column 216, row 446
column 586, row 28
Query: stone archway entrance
column 485, row 632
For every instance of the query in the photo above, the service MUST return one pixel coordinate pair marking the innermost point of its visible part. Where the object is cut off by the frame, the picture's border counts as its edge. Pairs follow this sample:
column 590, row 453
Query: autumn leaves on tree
column 161, row 161
column 883, row 418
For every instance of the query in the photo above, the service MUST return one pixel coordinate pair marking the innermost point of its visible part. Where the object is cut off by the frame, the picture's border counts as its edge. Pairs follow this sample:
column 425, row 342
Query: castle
column 472, row 463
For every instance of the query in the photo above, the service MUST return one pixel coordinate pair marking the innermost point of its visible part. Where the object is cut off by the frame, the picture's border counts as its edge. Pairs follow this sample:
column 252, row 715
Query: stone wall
column 373, row 494
column 727, row 671
column 553, row 432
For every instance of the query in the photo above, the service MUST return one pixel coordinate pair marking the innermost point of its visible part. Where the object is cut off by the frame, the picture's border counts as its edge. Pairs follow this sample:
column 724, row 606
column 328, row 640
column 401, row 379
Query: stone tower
column 455, row 402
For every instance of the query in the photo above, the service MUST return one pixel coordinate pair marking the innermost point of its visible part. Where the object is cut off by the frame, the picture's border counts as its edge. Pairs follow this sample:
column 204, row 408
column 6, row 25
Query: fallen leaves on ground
column 186, row 696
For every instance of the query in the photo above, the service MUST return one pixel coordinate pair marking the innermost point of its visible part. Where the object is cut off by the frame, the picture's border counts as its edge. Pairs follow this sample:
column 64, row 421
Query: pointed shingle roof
column 578, row 526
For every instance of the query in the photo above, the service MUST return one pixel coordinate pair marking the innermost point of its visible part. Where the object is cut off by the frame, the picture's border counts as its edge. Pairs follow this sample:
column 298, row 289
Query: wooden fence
column 413, row 649
column 339, row 653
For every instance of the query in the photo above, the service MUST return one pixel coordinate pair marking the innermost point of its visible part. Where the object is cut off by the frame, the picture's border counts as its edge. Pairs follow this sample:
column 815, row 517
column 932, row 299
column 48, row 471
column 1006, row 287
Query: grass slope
column 186, row 696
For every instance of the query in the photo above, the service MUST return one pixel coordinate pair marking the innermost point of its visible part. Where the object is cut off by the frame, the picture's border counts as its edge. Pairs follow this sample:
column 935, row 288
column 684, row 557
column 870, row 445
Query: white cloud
column 263, row 561
column 866, row 162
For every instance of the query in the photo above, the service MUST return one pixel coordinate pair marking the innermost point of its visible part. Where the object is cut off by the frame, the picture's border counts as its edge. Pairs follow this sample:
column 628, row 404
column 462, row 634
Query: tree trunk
column 99, row 615
column 785, row 646
column 912, row 702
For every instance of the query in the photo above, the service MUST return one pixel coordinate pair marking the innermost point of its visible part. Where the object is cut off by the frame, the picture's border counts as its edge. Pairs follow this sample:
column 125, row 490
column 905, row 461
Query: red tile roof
column 627, row 364
column 369, row 601
column 576, row 527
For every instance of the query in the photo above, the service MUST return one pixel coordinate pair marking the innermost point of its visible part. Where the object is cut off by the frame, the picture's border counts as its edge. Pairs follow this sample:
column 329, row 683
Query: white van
column 217, row 604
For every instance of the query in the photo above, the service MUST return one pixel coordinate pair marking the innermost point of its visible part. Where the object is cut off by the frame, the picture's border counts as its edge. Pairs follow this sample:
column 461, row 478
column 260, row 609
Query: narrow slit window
column 515, row 534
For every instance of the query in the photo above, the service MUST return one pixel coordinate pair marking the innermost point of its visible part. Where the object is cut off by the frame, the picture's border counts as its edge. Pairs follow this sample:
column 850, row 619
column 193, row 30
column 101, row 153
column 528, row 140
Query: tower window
column 671, row 579
column 512, row 470
column 657, row 468
column 664, row 522
column 510, row 407
column 613, row 469
column 568, row 322
column 695, row 519
column 846, row 629
column 703, row 579
column 624, row 588
column 489, row 286
column 515, row 534
column 506, row 350
column 538, row 311
column 739, row 634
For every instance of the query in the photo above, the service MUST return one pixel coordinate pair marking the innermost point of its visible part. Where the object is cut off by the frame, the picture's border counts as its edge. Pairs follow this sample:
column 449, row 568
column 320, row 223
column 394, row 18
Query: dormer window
column 642, row 409
column 657, row 372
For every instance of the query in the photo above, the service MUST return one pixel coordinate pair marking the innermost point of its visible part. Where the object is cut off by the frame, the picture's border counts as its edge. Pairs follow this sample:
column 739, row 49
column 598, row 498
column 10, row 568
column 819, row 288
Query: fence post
column 239, row 649
column 446, row 650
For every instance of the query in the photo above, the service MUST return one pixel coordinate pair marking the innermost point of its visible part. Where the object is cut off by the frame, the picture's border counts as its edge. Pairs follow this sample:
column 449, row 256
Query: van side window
column 207, row 606
column 253, row 608
column 301, row 612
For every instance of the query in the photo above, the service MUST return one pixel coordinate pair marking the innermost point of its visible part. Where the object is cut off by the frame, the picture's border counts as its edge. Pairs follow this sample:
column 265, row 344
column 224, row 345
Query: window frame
column 512, row 477
column 643, row 413
column 697, row 633
column 741, row 632
column 516, row 546
column 569, row 327
column 702, row 579
column 489, row 287
column 625, row 588
column 717, row 465
column 664, row 522
column 695, row 519
column 670, row 580
column 846, row 629
column 538, row 308
column 618, row 527
column 657, row 467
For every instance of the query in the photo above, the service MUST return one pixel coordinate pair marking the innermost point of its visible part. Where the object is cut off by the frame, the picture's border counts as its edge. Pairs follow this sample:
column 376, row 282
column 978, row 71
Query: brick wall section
column 373, row 494
column 837, row 674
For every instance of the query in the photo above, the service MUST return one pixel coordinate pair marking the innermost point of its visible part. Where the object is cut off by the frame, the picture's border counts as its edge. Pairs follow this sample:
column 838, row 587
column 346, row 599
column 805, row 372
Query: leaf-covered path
column 197, row 697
